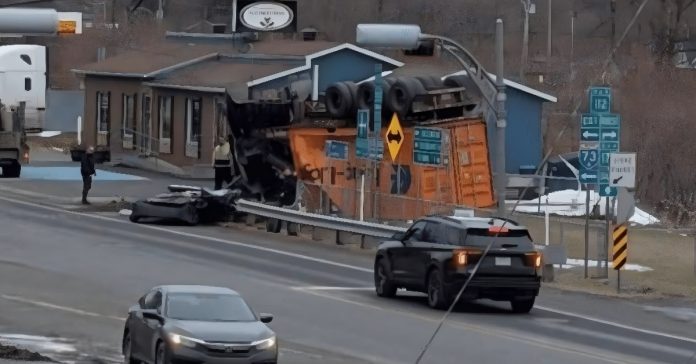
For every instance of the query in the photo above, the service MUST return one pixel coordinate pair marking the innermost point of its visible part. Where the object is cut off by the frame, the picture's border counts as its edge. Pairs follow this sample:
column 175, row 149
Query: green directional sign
column 427, row 146
column 600, row 100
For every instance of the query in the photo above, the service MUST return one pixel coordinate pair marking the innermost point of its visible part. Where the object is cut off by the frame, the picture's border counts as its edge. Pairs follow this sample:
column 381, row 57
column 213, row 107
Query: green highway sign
column 600, row 100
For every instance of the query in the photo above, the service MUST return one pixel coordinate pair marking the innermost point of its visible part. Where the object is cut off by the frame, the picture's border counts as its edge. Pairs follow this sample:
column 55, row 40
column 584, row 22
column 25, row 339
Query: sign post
column 600, row 132
column 362, row 146
column 610, row 132
column 620, row 251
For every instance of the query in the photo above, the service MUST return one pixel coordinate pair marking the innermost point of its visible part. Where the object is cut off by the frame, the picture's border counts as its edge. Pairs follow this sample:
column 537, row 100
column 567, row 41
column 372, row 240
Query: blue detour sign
column 336, row 150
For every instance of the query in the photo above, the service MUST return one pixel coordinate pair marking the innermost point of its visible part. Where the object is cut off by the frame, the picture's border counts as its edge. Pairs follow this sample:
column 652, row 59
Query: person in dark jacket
column 87, row 170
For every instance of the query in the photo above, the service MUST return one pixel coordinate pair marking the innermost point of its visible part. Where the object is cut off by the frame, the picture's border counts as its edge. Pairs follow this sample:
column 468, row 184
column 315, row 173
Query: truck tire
column 340, row 99
column 12, row 172
column 366, row 97
column 402, row 94
column 471, row 96
column 431, row 82
column 460, row 81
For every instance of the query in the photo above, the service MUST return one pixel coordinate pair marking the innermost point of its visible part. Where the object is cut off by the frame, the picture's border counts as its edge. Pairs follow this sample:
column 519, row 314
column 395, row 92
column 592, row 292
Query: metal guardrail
column 318, row 220
column 553, row 254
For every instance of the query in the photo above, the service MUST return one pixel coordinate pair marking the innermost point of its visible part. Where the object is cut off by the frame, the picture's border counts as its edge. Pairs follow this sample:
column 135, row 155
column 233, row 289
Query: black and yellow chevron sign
column 620, row 250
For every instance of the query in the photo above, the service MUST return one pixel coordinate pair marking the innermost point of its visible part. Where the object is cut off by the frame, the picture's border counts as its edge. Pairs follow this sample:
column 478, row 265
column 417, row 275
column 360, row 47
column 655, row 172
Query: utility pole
column 612, row 8
column 501, row 120
column 526, row 6
column 548, row 39
column 159, row 15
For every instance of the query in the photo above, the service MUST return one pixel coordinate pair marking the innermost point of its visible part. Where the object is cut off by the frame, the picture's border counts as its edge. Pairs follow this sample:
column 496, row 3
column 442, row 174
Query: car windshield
column 208, row 307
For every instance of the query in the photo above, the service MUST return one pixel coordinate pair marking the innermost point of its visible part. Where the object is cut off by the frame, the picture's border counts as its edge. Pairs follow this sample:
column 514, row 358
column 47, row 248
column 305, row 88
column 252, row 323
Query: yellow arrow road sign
column 394, row 137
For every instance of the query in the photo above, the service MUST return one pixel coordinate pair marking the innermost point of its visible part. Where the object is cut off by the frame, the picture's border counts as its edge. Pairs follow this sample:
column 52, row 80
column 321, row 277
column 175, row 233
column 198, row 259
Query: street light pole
column 493, row 91
column 501, row 119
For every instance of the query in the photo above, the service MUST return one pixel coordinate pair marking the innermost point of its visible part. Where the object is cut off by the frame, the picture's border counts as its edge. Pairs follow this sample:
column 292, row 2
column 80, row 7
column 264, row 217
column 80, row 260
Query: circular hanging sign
column 266, row 16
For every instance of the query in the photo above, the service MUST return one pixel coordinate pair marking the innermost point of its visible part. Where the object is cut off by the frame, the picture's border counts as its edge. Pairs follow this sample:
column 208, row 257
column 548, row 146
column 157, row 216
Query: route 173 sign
column 267, row 16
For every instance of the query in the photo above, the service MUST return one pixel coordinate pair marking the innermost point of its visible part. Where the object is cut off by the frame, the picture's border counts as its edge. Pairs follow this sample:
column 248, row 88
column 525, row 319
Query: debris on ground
column 187, row 204
column 14, row 353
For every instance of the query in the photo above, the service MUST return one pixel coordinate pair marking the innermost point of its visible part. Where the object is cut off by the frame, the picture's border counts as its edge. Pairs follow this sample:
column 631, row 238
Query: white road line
column 527, row 339
column 58, row 307
column 331, row 263
column 327, row 288
column 196, row 236
column 615, row 324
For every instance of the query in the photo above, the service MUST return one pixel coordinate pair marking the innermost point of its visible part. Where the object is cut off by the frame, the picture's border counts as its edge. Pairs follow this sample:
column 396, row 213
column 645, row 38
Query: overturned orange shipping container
column 396, row 190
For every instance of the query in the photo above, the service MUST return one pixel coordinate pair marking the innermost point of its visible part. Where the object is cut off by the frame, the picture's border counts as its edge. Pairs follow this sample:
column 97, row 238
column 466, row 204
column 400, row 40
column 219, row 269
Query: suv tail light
column 464, row 257
column 460, row 258
column 533, row 259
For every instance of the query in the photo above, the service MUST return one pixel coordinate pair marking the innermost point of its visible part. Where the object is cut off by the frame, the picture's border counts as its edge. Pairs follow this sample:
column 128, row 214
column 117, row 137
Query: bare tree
column 666, row 28
column 526, row 7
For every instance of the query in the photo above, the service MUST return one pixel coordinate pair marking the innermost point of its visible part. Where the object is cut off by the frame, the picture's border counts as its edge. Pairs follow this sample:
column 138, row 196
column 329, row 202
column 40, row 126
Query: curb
column 62, row 200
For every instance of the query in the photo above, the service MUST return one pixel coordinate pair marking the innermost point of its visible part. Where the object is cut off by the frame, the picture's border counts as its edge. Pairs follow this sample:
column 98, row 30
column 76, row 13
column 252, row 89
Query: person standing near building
column 221, row 163
column 87, row 170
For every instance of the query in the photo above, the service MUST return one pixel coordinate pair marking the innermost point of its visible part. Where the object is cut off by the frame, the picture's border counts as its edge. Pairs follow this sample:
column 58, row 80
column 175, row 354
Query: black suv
column 437, row 255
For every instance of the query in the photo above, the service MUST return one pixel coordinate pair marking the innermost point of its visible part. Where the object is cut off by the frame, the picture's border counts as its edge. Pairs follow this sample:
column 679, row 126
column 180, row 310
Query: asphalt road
column 72, row 275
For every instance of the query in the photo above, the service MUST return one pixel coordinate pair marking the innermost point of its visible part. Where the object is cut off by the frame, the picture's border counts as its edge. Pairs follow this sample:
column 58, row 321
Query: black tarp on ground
column 189, row 205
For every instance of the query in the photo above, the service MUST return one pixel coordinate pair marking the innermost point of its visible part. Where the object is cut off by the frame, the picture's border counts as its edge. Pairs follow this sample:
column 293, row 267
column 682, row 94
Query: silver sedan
column 196, row 325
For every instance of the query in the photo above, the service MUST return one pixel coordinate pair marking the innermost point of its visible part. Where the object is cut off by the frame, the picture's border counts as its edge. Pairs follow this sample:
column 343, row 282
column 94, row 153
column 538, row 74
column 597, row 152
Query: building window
column 128, row 120
column 103, row 112
column 27, row 83
column 165, row 123
column 193, row 127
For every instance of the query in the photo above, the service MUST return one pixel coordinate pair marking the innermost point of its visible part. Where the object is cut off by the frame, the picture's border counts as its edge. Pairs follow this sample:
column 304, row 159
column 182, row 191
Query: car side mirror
column 141, row 302
column 399, row 236
column 152, row 314
column 265, row 317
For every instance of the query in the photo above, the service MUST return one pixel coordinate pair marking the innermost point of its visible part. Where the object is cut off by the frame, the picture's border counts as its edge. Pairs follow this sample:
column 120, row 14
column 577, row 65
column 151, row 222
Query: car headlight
column 184, row 340
column 265, row 343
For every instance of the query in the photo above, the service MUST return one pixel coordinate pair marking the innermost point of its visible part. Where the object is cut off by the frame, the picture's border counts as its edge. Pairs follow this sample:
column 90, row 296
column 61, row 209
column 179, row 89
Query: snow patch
column 42, row 344
column 572, row 203
column 125, row 212
column 575, row 263
column 46, row 134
